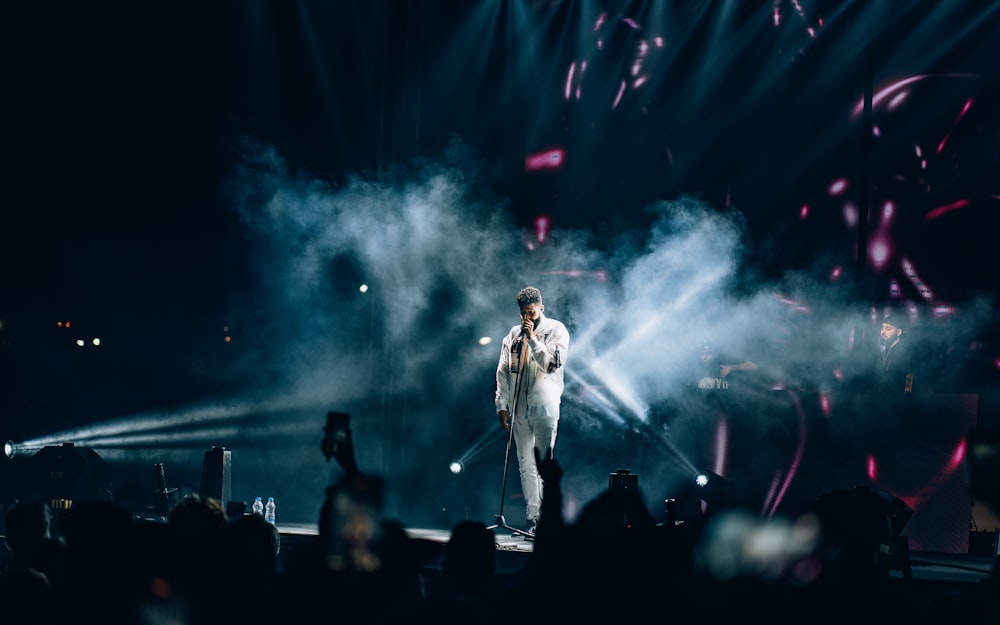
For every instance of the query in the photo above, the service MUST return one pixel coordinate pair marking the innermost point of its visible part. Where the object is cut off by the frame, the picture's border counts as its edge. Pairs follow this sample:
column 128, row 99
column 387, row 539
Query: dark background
column 204, row 186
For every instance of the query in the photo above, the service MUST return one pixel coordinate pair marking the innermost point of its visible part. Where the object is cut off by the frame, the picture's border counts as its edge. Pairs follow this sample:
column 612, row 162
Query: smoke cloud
column 442, row 258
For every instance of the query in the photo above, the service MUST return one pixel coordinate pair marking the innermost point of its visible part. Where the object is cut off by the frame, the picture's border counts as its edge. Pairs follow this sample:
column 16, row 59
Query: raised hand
column 548, row 467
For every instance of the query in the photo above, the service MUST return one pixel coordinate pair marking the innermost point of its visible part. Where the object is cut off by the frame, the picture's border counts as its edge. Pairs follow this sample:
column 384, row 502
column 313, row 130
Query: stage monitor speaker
column 66, row 472
column 623, row 479
column 216, row 474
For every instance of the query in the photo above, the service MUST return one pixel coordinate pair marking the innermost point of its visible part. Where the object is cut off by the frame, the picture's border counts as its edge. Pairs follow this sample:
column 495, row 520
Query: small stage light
column 9, row 449
column 456, row 467
column 713, row 489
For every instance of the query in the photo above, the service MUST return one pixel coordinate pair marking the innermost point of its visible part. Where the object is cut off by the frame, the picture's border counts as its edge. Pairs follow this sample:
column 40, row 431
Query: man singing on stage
column 529, row 387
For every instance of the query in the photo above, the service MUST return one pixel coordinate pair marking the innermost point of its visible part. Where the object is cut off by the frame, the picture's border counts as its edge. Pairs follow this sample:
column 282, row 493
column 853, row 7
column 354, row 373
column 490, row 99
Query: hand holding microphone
column 527, row 328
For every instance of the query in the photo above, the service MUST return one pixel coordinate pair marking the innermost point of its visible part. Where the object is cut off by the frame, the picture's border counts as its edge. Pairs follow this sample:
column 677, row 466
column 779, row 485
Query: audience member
column 468, row 569
column 103, row 555
column 29, row 539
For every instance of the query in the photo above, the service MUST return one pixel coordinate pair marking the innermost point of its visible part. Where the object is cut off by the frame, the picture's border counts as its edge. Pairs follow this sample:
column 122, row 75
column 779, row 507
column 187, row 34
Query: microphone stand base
column 502, row 523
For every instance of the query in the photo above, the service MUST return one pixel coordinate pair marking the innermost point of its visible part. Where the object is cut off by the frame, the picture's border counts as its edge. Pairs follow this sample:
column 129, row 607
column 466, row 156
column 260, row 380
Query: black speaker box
column 216, row 474
column 623, row 479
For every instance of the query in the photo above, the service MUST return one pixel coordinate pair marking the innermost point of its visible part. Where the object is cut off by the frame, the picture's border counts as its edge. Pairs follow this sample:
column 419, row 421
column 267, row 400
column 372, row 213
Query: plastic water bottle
column 269, row 510
column 258, row 507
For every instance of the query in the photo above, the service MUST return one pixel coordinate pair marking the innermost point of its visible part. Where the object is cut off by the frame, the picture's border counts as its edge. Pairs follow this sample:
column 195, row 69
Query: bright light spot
column 947, row 208
column 851, row 215
column 456, row 467
column 618, row 98
column 943, row 310
column 542, row 224
column 887, row 210
column 824, row 398
column 836, row 273
column 701, row 479
column 957, row 456
column 363, row 288
column 227, row 339
column 8, row 449
column 485, row 340
column 897, row 100
column 568, row 90
column 80, row 342
column 553, row 158
column 837, row 187
column 879, row 253
column 871, row 468
column 804, row 211
column 886, row 93
column 96, row 341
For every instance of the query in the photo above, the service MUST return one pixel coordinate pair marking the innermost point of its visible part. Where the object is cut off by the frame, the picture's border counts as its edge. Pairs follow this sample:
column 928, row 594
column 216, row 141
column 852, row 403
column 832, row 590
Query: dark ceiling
column 122, row 123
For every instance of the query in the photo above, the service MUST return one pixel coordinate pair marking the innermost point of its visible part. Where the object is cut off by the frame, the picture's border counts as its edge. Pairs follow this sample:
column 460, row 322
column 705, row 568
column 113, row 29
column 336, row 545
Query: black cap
column 896, row 320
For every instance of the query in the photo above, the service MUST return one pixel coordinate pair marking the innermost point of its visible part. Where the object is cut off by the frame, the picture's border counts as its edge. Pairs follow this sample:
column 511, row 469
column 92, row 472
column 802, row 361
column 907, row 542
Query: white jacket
column 542, row 381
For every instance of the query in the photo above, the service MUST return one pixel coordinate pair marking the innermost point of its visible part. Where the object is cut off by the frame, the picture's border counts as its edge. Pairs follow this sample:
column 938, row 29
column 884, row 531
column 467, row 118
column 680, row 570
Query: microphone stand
column 500, row 521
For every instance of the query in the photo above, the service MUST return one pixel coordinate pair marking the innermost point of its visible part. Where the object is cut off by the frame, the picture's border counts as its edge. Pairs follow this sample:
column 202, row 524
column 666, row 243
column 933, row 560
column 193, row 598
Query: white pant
column 537, row 429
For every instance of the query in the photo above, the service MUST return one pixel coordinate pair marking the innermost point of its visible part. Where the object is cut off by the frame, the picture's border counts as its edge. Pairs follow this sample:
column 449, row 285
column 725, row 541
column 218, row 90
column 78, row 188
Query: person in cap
column 894, row 368
column 715, row 369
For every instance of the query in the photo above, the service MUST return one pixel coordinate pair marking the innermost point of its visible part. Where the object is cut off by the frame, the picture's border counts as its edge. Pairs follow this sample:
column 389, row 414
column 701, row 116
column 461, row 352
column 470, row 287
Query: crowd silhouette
column 614, row 561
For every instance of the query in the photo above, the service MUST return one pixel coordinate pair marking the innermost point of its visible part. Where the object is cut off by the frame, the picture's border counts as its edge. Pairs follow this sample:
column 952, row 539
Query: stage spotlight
column 456, row 467
column 712, row 488
column 9, row 449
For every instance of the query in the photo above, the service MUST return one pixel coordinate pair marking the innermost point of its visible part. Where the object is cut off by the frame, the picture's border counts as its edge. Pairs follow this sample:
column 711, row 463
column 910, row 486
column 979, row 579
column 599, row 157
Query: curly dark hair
column 528, row 295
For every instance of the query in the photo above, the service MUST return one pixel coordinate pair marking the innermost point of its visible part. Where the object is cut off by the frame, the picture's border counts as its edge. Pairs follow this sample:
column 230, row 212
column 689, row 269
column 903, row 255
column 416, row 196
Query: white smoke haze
column 443, row 258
